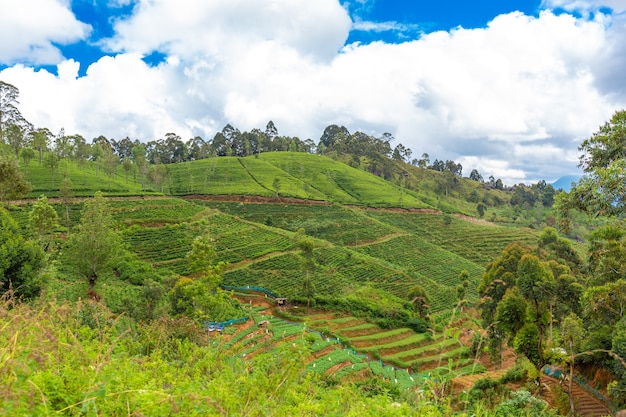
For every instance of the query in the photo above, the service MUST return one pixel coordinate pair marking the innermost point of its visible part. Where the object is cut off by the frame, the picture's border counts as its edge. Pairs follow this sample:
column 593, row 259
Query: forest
column 258, row 274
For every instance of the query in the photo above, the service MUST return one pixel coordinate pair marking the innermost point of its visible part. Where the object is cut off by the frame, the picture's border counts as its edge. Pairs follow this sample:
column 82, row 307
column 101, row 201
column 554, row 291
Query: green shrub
column 515, row 374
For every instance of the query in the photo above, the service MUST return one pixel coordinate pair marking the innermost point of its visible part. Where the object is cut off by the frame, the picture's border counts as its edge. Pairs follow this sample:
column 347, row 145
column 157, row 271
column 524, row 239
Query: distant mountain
column 565, row 182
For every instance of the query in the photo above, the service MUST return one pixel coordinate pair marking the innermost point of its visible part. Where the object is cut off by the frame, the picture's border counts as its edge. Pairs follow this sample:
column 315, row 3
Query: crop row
column 426, row 259
column 334, row 223
column 476, row 242
column 337, row 272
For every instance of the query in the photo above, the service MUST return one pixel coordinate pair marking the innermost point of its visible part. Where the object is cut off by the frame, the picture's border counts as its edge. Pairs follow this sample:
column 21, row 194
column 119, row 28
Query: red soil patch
column 327, row 350
column 380, row 341
column 359, row 332
column 337, row 367
column 255, row 199
column 405, row 210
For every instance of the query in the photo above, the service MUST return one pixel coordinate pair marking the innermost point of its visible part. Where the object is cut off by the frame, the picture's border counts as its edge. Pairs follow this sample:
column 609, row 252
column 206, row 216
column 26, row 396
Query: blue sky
column 508, row 87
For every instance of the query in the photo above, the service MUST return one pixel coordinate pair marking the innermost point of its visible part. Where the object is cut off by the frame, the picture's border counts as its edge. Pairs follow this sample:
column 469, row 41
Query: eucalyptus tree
column 9, row 113
column 15, row 136
column 602, row 190
column 52, row 162
column 138, row 155
column 27, row 155
column 110, row 161
column 40, row 141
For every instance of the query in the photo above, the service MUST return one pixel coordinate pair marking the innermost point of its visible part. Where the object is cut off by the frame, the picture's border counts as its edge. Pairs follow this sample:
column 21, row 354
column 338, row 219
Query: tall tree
column 27, row 155
column 92, row 250
column 572, row 334
column 536, row 285
column 202, row 255
column 127, row 164
column 602, row 191
column 15, row 136
column 12, row 183
column 475, row 176
column 139, row 160
column 52, row 162
column 9, row 113
column 63, row 145
column 110, row 161
column 40, row 140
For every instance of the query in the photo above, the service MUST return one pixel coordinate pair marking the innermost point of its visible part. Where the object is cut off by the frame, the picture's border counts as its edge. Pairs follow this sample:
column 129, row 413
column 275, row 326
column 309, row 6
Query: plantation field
column 338, row 224
column 287, row 174
column 340, row 272
column 476, row 242
column 215, row 176
column 166, row 246
column 273, row 178
column 390, row 251
column 86, row 178
column 419, row 256
column 336, row 179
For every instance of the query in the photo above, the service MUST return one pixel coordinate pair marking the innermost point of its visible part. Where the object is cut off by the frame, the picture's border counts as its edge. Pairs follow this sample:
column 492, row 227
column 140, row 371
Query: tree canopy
column 602, row 191
column 93, row 248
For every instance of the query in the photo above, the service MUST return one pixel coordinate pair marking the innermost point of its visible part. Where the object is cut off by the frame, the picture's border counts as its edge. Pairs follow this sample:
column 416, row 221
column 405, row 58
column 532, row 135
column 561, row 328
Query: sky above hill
column 509, row 88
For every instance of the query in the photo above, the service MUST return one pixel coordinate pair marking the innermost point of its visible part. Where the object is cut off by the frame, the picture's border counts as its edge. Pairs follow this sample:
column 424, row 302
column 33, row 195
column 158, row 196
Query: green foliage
column 602, row 190
column 202, row 254
column 418, row 297
column 523, row 404
column 201, row 298
column 91, row 363
column 526, row 342
column 617, row 389
column 12, row 184
column 607, row 255
column 500, row 275
column 514, row 374
column 93, row 248
column 43, row 219
column 20, row 260
column 511, row 313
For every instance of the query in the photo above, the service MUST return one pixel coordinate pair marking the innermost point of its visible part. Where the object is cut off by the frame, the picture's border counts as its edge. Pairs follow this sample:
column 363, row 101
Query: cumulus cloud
column 189, row 27
column 29, row 30
column 512, row 99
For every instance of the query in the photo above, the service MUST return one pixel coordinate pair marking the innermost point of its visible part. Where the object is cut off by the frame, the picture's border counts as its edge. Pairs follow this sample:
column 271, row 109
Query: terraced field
column 475, row 242
column 428, row 260
column 166, row 246
column 337, row 224
column 351, row 348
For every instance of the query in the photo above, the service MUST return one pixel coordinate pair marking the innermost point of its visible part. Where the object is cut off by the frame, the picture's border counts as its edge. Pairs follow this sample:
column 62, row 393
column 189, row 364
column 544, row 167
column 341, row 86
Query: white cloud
column 369, row 26
column 586, row 6
column 513, row 99
column 190, row 27
column 28, row 30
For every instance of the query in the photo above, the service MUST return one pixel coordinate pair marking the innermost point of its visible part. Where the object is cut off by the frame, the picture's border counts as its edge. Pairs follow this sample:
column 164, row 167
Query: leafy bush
column 522, row 403
column 515, row 374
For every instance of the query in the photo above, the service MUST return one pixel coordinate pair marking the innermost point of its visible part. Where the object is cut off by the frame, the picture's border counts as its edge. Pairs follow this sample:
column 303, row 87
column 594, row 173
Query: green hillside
column 288, row 174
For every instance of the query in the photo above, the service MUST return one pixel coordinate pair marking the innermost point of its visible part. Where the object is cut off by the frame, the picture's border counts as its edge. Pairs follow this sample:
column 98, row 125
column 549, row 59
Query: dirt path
column 59, row 200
